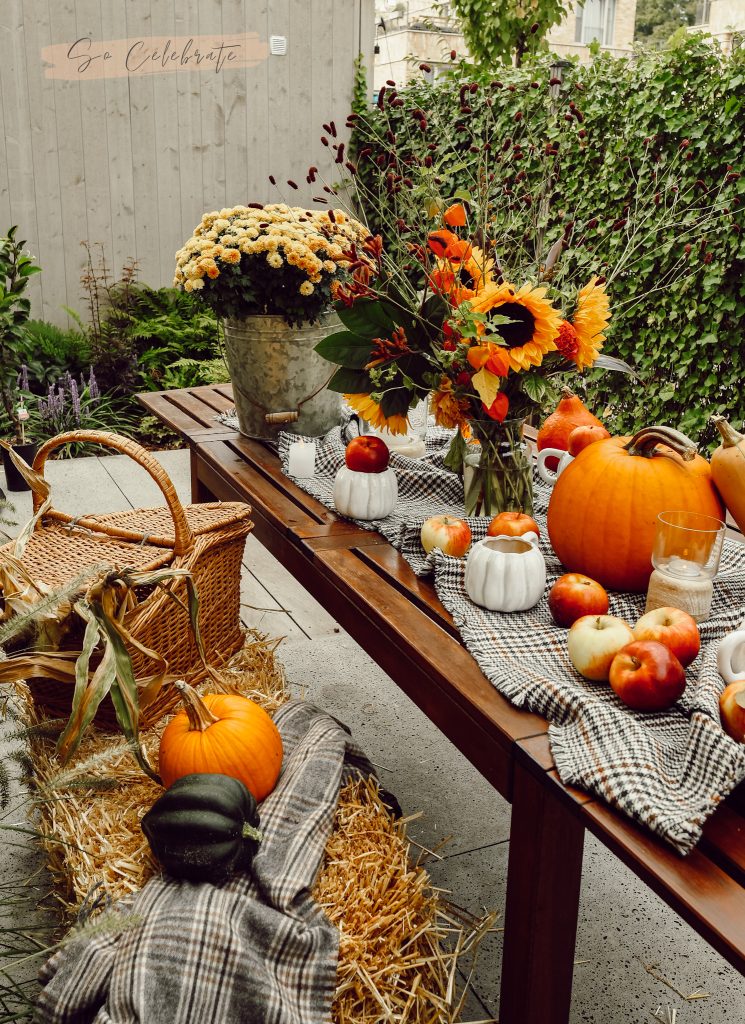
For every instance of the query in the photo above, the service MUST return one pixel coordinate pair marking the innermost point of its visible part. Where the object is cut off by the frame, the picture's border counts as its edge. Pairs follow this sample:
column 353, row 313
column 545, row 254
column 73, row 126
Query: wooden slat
column 396, row 571
column 724, row 841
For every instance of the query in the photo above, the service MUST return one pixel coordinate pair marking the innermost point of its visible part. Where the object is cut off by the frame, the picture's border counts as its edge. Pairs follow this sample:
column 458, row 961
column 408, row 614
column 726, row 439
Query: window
column 595, row 20
column 703, row 10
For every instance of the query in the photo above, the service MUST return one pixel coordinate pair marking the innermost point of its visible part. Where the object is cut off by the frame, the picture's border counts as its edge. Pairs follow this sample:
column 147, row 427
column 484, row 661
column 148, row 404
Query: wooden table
column 397, row 618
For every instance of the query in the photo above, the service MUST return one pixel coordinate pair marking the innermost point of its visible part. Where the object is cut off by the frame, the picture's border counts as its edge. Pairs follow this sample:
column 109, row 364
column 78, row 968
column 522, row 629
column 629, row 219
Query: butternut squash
column 728, row 469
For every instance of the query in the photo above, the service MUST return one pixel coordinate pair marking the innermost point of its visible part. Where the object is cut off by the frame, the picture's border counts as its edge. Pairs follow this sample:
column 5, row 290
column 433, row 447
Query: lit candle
column 414, row 449
column 301, row 459
column 678, row 566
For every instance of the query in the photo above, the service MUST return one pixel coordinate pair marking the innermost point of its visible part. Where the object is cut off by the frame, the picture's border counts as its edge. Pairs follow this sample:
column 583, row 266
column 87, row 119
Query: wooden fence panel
column 120, row 124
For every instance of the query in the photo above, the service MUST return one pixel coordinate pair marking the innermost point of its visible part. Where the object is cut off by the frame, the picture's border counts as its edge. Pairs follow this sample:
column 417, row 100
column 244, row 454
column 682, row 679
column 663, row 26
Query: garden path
column 622, row 926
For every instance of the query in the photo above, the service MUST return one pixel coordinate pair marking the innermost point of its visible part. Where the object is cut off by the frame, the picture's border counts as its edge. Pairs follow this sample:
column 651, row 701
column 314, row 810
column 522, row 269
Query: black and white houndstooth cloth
column 668, row 770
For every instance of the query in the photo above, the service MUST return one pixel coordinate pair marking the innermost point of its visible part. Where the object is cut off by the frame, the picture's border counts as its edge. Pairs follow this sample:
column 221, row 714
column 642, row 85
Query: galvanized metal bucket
column 279, row 381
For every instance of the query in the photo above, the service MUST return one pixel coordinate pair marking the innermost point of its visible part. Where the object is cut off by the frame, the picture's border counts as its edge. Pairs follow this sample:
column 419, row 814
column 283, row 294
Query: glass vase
column 497, row 470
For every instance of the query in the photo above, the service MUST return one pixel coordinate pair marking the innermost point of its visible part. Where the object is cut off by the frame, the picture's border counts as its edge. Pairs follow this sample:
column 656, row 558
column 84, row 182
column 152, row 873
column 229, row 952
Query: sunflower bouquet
column 275, row 259
column 486, row 350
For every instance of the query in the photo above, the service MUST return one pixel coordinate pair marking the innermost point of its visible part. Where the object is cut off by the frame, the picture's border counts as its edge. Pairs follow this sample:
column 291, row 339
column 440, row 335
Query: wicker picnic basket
column 206, row 539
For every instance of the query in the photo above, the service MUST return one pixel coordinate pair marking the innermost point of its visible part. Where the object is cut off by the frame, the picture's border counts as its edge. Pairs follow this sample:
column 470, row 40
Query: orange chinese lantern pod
column 439, row 241
column 602, row 515
column 455, row 216
column 221, row 734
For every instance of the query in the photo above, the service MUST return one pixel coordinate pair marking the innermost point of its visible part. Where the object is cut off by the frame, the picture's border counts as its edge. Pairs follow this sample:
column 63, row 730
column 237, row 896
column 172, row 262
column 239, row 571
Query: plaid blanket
column 256, row 948
column 668, row 770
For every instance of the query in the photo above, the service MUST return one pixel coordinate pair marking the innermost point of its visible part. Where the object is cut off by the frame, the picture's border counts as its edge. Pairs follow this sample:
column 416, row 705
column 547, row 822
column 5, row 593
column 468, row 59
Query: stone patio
column 623, row 927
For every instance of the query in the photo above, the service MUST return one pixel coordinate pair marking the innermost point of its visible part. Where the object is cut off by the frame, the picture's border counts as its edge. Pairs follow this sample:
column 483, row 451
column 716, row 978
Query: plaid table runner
column 668, row 770
column 254, row 949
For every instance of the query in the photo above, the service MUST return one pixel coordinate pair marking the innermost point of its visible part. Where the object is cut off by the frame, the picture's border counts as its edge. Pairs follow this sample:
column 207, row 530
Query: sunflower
column 371, row 413
column 589, row 321
column 535, row 321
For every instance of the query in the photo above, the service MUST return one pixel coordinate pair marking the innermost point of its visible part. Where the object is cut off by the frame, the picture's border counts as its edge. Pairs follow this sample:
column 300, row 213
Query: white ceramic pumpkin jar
column 505, row 574
column 366, row 487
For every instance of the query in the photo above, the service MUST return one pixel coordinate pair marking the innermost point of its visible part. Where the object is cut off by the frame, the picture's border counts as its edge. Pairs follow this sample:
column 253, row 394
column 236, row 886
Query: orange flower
column 448, row 410
column 455, row 216
column 447, row 246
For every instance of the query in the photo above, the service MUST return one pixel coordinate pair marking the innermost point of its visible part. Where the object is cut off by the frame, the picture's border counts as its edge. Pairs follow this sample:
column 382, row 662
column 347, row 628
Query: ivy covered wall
column 606, row 136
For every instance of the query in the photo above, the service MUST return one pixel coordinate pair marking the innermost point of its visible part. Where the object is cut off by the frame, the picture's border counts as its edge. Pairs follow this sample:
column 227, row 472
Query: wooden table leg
column 199, row 491
column 543, row 886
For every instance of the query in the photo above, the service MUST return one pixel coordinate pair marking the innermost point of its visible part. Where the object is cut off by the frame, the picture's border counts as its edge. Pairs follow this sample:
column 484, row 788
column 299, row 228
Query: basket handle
column 183, row 537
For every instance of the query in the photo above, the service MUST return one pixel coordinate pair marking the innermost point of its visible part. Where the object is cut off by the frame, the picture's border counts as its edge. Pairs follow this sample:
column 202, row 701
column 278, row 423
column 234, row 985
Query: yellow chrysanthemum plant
column 274, row 259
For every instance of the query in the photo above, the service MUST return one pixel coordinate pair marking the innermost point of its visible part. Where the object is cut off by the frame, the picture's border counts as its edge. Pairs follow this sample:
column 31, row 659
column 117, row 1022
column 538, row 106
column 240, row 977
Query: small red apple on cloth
column 732, row 708
column 367, row 454
column 574, row 595
column 448, row 533
column 647, row 676
column 593, row 643
column 674, row 628
column 513, row 524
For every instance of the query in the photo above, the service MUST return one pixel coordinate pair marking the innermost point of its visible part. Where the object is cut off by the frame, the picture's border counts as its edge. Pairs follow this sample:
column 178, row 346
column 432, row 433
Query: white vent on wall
column 278, row 45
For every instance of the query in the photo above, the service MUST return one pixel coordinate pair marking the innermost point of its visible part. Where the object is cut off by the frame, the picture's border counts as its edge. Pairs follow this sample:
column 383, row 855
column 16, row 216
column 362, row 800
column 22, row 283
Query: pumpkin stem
column 249, row 832
column 200, row 716
column 730, row 437
column 645, row 441
column 566, row 392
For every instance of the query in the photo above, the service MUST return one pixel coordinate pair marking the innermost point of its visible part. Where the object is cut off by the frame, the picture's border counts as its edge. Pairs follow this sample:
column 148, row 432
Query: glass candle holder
column 688, row 545
column 686, row 553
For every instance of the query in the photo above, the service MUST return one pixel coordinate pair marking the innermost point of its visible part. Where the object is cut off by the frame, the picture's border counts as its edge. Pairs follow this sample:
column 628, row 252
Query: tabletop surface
column 373, row 592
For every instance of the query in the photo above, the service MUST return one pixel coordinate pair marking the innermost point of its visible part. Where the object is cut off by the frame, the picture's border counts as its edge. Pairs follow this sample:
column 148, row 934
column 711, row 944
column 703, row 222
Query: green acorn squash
column 203, row 828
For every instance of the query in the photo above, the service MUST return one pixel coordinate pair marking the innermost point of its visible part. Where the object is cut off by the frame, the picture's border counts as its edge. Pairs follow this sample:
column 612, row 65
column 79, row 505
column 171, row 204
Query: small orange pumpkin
column 221, row 734
column 602, row 514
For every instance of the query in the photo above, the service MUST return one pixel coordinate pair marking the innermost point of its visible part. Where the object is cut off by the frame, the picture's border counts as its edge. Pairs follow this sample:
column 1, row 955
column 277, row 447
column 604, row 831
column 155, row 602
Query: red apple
column 367, row 454
column 674, row 628
column 647, row 676
column 512, row 524
column 574, row 595
column 448, row 533
column 732, row 708
column 594, row 641
column 583, row 436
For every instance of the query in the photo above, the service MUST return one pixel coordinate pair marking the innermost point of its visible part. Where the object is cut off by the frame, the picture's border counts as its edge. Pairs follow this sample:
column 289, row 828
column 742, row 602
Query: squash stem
column 200, row 716
column 646, row 440
column 730, row 437
column 249, row 832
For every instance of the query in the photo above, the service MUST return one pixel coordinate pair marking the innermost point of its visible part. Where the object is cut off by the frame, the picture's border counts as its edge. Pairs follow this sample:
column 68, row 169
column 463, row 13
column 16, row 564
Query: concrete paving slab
column 78, row 486
column 260, row 610
column 312, row 617
column 138, row 487
column 622, row 926
column 418, row 763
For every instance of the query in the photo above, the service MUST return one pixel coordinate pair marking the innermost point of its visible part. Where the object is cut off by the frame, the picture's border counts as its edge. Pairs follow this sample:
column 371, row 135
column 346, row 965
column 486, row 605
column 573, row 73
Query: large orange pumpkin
column 221, row 734
column 603, row 510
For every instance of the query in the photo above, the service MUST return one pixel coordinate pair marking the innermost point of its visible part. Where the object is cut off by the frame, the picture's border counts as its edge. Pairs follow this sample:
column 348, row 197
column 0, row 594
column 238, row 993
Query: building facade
column 722, row 19
column 428, row 31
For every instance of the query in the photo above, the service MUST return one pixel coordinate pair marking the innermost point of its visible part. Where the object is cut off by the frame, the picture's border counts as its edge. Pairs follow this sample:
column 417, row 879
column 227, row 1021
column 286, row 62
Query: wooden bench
column 397, row 618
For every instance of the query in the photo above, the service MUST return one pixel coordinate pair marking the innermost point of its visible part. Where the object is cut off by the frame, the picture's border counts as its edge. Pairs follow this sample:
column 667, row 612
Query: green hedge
column 685, row 109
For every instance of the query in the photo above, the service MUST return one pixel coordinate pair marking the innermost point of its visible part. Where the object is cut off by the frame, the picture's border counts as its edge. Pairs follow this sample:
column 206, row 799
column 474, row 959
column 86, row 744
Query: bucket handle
column 290, row 415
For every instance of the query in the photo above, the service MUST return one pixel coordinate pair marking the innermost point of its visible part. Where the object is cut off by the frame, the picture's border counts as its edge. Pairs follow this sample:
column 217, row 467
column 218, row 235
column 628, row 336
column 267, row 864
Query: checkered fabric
column 256, row 948
column 668, row 770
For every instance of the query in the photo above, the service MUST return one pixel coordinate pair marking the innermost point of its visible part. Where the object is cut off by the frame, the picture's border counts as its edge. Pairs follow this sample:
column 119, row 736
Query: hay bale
column 399, row 946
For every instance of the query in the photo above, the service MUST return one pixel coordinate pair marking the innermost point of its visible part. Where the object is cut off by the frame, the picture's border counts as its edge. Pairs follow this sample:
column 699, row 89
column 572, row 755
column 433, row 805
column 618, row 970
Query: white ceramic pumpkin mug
column 550, row 476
